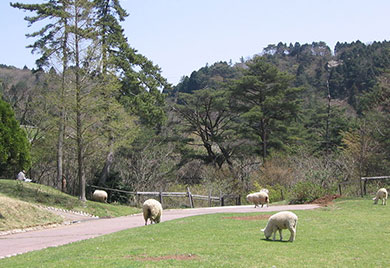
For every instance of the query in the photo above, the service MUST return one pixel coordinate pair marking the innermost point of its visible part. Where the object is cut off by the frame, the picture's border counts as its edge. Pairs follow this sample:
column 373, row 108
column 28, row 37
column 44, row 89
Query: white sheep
column 264, row 190
column 100, row 196
column 382, row 195
column 152, row 210
column 279, row 221
column 258, row 198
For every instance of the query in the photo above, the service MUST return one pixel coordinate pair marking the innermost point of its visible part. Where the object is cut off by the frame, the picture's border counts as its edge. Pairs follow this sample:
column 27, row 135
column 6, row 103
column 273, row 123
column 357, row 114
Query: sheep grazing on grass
column 152, row 210
column 100, row 196
column 382, row 195
column 279, row 221
column 259, row 198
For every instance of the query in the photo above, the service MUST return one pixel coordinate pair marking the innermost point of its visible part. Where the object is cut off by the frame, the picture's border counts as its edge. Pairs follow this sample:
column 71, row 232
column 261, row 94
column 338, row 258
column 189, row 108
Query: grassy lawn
column 350, row 233
column 47, row 196
column 15, row 214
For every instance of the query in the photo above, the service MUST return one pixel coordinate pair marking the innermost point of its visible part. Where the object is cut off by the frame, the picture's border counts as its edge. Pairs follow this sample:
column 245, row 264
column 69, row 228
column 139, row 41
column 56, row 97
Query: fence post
column 340, row 188
column 364, row 187
column 161, row 197
column 136, row 199
column 210, row 198
column 190, row 197
column 238, row 200
column 221, row 199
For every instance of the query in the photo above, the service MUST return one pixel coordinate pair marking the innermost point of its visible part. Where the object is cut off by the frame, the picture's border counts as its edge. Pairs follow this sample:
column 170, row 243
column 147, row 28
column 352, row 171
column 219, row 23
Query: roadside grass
column 16, row 214
column 348, row 233
column 47, row 196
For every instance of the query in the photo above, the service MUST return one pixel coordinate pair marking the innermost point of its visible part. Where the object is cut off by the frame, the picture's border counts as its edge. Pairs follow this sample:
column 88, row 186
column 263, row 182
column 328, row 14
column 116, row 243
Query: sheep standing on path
column 152, row 210
column 259, row 198
column 381, row 194
column 279, row 221
column 100, row 196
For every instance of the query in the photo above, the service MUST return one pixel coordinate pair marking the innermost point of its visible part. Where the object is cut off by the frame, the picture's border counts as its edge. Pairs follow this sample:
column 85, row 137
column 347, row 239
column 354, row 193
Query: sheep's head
column 267, row 232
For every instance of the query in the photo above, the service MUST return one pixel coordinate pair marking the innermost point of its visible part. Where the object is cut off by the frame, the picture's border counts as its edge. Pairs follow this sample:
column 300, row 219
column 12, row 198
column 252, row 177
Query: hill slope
column 16, row 214
column 15, row 193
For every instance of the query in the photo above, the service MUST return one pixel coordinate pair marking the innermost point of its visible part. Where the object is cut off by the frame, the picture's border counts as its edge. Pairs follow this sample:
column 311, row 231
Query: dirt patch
column 325, row 200
column 181, row 257
column 249, row 218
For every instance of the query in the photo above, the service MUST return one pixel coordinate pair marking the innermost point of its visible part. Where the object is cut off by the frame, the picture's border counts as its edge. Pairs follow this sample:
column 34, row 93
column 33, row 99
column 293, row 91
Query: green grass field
column 351, row 233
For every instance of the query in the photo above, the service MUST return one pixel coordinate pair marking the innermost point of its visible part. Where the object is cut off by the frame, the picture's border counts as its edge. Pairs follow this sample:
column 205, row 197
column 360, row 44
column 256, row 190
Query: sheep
column 381, row 194
column 152, row 210
column 279, row 221
column 100, row 196
column 258, row 198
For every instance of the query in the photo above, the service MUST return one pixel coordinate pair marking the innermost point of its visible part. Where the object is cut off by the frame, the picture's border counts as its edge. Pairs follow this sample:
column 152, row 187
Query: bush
column 306, row 192
column 276, row 193
column 14, row 146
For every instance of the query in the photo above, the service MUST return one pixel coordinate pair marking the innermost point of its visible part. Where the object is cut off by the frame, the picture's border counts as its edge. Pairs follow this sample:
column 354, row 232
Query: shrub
column 14, row 146
column 305, row 192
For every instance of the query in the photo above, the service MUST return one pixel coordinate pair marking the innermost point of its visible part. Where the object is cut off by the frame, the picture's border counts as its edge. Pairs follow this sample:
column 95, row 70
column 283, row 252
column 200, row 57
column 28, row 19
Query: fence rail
column 365, row 179
column 221, row 199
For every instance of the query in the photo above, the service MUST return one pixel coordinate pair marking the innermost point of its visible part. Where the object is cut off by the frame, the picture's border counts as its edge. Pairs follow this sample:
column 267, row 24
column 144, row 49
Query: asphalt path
column 19, row 243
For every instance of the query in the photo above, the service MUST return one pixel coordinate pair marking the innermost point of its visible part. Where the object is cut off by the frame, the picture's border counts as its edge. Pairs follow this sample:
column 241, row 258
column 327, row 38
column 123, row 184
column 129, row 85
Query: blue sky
column 183, row 35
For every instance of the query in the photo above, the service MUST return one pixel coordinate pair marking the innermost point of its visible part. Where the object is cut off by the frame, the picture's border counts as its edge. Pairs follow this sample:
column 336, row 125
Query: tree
column 140, row 92
column 266, row 102
column 206, row 113
column 14, row 146
column 52, row 41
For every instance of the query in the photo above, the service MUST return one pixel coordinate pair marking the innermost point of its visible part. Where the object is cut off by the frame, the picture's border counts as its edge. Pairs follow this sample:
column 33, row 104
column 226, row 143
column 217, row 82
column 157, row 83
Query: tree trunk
column 61, row 127
column 107, row 166
column 80, row 169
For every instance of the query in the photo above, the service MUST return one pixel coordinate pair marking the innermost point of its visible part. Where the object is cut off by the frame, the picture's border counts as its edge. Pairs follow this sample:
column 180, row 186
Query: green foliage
column 14, row 146
column 266, row 102
column 206, row 77
column 207, row 114
column 306, row 192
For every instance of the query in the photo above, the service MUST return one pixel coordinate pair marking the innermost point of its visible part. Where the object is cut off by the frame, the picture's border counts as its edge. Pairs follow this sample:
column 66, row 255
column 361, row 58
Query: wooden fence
column 366, row 179
column 221, row 199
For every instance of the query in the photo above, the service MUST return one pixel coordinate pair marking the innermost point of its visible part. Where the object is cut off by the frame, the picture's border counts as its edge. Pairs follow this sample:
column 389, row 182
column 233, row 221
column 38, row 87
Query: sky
column 181, row 36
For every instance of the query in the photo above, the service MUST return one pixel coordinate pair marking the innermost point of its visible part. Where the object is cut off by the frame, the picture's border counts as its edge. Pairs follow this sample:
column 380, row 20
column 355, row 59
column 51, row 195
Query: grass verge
column 351, row 233
column 47, row 196
column 15, row 214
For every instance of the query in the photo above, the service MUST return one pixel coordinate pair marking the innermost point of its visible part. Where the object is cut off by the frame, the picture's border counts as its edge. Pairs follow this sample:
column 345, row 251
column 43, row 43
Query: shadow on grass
column 276, row 240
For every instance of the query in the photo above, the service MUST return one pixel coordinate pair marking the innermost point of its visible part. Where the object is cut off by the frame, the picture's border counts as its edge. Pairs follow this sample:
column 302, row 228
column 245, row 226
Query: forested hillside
column 297, row 118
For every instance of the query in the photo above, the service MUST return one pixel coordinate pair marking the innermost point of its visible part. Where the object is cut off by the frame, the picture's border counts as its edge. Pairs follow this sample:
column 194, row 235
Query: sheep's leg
column 274, row 233
column 292, row 236
column 280, row 234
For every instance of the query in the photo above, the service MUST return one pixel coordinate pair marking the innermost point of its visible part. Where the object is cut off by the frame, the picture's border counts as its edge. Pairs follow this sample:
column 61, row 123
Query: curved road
column 19, row 243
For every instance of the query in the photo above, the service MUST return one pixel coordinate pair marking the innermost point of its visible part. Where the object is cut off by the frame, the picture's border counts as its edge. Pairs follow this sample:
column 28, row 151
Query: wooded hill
column 294, row 118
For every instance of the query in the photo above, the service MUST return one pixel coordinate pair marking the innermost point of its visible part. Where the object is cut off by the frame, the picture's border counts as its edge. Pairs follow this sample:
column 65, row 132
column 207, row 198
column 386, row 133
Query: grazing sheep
column 279, row 221
column 258, row 198
column 381, row 194
column 152, row 210
column 100, row 196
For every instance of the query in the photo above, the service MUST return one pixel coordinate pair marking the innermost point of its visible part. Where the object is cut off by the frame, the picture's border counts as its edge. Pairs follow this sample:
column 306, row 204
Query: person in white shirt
column 22, row 177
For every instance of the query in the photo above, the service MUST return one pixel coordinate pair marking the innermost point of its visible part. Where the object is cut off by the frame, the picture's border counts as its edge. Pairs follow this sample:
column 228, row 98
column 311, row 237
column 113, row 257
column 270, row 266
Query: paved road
column 18, row 243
